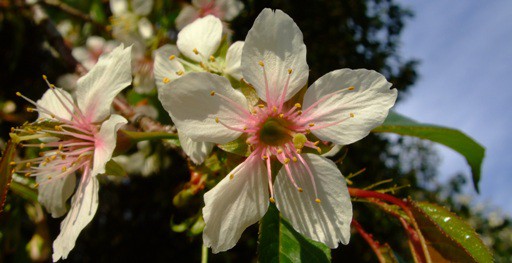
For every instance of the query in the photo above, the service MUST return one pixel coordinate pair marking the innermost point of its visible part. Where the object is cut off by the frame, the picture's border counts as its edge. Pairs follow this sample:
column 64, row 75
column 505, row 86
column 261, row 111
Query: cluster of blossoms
column 199, row 84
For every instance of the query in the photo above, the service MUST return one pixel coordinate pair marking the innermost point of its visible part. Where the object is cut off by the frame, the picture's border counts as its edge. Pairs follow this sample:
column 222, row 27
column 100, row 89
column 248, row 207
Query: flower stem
column 204, row 254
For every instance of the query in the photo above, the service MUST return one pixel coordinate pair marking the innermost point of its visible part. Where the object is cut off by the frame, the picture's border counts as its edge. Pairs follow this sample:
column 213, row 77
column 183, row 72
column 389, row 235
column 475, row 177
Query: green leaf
column 6, row 171
column 144, row 136
column 279, row 242
column 115, row 169
column 455, row 139
column 449, row 238
column 238, row 146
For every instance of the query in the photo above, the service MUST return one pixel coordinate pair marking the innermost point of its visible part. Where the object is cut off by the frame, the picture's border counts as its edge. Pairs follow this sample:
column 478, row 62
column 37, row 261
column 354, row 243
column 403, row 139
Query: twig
column 73, row 12
column 369, row 239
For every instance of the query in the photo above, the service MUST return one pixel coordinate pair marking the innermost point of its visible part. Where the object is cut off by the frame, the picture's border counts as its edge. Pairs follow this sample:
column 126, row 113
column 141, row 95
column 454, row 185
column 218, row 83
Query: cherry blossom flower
column 342, row 107
column 225, row 10
column 77, row 140
column 199, row 43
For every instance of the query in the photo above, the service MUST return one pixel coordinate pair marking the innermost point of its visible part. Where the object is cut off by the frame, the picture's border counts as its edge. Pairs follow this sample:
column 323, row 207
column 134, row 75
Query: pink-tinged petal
column 235, row 204
column 197, row 151
column 328, row 221
column 194, row 110
column 275, row 40
column 234, row 59
column 166, row 69
column 106, row 142
column 186, row 16
column 54, row 194
column 203, row 35
column 98, row 88
column 58, row 102
column 83, row 208
column 229, row 8
column 352, row 103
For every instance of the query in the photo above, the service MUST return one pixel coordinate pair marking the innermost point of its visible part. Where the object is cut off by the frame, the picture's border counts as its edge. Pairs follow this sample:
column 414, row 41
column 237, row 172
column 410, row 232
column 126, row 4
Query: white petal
column 98, row 88
column 50, row 101
column 118, row 7
column 189, row 102
column 83, row 207
column 186, row 16
column 106, row 142
column 275, row 40
column 230, row 8
column 235, row 204
column 328, row 221
column 53, row 194
column 234, row 59
column 95, row 43
column 165, row 69
column 369, row 103
column 197, row 151
column 145, row 28
column 142, row 7
column 204, row 34
column 82, row 54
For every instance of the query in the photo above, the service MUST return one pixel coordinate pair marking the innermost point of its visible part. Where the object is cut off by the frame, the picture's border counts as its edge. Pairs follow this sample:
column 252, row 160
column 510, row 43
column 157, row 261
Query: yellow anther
column 171, row 57
column 319, row 150
column 351, row 88
column 286, row 160
column 299, row 151
column 49, row 177
column 201, row 64
column 308, row 131
column 311, row 124
column 318, row 200
column 18, row 94
column 265, row 157
column 212, row 58
column 52, row 115
column 36, row 185
column 272, row 200
column 58, row 128
column 231, row 176
column 179, row 73
column 281, row 115
column 60, row 147
column 279, row 151
column 12, row 163
column 274, row 109
column 261, row 106
column 294, row 159
column 13, row 171
column 300, row 189
column 352, row 115
column 52, row 86
column 166, row 80
column 28, row 165
column 298, row 106
column 217, row 119
column 195, row 51
column 290, row 71
column 299, row 112
column 212, row 93
column 261, row 63
column 41, row 146
column 30, row 109
column 64, row 168
column 254, row 112
column 245, row 128
column 28, row 174
column 44, row 77
column 53, row 157
column 316, row 143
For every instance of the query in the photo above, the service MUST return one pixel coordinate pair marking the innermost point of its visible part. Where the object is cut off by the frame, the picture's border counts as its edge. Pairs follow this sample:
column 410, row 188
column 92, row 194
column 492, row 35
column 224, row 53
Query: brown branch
column 73, row 12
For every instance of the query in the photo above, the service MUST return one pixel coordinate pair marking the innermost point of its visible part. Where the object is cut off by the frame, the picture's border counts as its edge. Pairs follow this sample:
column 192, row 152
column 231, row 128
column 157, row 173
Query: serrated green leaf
column 279, row 242
column 6, row 171
column 449, row 238
column 238, row 146
column 452, row 138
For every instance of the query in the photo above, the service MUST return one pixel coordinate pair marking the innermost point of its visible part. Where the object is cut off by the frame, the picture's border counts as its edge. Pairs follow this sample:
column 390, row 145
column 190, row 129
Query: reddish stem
column 369, row 239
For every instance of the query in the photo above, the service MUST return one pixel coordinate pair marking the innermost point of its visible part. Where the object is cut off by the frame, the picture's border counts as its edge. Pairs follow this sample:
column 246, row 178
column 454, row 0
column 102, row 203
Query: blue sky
column 465, row 48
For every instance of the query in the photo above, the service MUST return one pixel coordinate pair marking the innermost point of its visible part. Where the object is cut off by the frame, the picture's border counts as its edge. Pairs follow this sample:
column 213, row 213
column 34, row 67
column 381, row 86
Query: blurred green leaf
column 455, row 139
column 6, row 171
column 115, row 169
column 279, row 242
column 449, row 238
column 238, row 146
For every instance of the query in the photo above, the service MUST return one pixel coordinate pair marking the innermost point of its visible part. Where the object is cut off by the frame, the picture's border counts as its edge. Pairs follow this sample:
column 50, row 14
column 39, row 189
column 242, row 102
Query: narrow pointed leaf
column 6, row 171
column 452, row 138
column 449, row 238
column 279, row 242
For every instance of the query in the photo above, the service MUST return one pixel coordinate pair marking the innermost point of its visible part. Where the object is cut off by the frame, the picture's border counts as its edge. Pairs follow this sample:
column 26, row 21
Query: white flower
column 225, row 10
column 79, row 139
column 198, row 42
column 94, row 46
column 309, row 191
